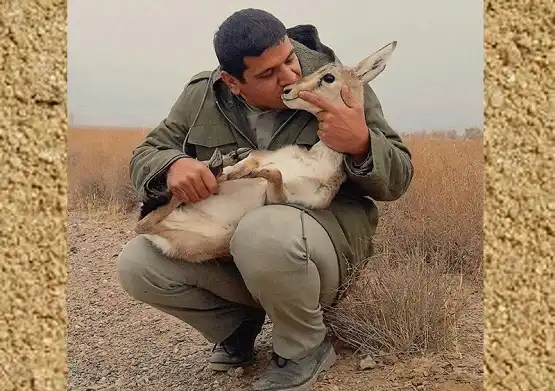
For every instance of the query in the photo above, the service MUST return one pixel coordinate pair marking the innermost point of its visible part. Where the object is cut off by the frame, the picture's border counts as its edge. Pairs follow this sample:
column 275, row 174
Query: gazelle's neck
column 322, row 152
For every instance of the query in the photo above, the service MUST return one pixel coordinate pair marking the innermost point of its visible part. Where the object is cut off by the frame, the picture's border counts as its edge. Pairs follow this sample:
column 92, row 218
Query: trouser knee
column 148, row 275
column 277, row 246
column 208, row 297
column 131, row 267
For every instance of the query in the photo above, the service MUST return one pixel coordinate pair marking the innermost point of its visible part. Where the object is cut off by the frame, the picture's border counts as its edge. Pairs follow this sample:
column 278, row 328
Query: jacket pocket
column 204, row 139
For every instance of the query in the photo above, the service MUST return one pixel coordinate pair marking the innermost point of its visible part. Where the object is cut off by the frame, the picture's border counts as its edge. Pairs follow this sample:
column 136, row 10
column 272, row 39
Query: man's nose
column 287, row 77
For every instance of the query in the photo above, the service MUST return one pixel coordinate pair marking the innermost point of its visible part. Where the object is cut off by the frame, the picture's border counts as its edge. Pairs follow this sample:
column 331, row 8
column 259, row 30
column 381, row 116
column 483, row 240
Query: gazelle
column 292, row 174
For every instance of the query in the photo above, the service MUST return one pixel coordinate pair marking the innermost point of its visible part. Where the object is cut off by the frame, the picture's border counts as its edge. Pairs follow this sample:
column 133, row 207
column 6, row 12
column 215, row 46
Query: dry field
column 416, row 308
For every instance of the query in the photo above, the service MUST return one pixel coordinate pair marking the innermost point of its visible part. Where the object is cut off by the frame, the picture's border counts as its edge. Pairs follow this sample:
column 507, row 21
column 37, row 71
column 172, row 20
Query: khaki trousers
column 283, row 263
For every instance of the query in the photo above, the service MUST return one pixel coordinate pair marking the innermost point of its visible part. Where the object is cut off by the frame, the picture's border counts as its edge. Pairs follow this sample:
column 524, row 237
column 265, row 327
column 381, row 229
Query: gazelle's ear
column 373, row 65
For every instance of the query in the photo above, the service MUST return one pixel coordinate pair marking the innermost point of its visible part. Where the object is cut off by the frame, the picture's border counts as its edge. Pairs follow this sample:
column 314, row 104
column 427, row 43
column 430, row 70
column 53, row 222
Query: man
column 287, row 262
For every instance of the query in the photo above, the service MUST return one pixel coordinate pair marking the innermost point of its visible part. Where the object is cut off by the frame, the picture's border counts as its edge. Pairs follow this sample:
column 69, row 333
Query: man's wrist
column 360, row 152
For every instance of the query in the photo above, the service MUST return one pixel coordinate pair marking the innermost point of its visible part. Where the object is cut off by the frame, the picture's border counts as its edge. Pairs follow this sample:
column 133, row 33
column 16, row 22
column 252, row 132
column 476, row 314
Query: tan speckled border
column 518, row 259
column 33, row 200
column 518, row 218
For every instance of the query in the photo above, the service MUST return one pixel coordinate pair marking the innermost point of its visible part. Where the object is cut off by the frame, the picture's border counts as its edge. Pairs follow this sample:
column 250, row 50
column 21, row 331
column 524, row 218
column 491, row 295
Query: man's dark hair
column 247, row 32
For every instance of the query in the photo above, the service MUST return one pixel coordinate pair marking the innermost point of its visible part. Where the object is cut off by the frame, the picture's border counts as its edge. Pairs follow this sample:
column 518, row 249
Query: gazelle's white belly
column 307, row 177
column 223, row 210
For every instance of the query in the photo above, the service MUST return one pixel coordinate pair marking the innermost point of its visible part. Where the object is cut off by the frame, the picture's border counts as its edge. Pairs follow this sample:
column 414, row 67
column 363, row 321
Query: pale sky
column 128, row 60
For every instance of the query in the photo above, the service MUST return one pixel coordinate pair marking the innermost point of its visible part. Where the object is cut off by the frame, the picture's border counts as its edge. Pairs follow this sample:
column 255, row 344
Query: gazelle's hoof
column 216, row 163
column 240, row 153
column 236, row 156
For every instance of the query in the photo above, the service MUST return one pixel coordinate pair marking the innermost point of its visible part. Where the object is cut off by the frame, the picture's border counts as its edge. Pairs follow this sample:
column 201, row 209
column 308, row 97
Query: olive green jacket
column 204, row 117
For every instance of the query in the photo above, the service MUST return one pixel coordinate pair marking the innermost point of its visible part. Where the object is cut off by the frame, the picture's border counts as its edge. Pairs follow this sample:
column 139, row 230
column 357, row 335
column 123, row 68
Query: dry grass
column 442, row 213
column 413, row 292
column 405, row 303
column 98, row 170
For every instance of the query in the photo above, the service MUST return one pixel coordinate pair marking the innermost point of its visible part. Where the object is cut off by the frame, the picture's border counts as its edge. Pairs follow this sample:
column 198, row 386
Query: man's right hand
column 191, row 180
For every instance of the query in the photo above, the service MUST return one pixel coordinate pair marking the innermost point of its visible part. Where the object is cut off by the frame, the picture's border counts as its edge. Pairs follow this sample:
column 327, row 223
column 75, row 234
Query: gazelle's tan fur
column 202, row 231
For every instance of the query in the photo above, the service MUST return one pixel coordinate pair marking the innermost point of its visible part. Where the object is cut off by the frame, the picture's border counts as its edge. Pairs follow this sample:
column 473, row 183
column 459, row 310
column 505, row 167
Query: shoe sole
column 221, row 367
column 325, row 365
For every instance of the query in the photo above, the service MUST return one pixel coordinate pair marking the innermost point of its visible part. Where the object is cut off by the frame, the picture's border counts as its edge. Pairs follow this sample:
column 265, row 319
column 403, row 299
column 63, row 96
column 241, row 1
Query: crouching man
column 286, row 262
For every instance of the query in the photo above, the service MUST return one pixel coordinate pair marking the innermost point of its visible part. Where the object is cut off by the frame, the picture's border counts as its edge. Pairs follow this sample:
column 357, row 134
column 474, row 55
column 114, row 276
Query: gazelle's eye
column 328, row 78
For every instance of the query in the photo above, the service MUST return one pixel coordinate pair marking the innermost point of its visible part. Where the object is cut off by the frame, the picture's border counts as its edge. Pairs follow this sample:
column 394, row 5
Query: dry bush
column 98, row 170
column 428, row 249
column 402, row 304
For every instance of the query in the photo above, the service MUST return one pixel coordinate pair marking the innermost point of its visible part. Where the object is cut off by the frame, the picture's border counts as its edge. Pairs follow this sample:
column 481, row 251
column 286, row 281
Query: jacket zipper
column 233, row 124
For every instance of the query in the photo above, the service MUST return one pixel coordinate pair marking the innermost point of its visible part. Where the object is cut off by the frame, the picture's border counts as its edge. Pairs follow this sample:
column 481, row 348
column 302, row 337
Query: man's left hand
column 341, row 127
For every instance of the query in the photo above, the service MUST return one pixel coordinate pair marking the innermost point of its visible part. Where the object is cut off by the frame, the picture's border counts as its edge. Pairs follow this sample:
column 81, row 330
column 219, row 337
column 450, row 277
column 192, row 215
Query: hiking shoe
column 237, row 350
column 296, row 375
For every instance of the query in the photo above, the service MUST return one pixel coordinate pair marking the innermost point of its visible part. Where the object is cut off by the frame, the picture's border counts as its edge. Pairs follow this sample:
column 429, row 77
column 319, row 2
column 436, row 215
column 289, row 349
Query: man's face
column 266, row 76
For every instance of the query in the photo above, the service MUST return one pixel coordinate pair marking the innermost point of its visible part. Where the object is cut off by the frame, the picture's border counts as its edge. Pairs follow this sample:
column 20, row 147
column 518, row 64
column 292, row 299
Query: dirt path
column 115, row 343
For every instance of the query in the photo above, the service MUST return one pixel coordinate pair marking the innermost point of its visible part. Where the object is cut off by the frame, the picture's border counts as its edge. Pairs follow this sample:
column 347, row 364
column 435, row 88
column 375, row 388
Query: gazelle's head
column 328, row 81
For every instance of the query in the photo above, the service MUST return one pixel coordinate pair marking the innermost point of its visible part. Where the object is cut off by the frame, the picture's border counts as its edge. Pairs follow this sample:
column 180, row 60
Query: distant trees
column 472, row 133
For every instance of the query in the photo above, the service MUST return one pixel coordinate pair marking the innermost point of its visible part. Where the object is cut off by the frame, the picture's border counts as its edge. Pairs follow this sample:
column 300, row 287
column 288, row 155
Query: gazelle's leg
column 239, row 170
column 146, row 224
column 245, row 167
column 276, row 192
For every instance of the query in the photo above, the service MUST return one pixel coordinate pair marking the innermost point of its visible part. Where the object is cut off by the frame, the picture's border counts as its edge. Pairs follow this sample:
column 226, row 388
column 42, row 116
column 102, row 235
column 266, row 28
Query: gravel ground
column 115, row 343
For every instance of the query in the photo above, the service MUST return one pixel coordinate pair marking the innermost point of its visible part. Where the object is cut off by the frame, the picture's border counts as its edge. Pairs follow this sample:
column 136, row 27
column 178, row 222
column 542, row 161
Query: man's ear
column 231, row 82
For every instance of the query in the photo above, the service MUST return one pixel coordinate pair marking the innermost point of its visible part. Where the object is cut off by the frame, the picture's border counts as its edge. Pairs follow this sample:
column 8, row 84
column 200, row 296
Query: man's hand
column 341, row 127
column 191, row 180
